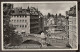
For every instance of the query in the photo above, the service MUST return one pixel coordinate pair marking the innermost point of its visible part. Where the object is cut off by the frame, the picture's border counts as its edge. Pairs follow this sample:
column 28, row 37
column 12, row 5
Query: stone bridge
column 34, row 37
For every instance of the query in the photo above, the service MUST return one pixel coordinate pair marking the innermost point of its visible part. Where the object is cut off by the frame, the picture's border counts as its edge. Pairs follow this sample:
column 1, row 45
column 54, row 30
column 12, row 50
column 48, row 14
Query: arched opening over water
column 31, row 42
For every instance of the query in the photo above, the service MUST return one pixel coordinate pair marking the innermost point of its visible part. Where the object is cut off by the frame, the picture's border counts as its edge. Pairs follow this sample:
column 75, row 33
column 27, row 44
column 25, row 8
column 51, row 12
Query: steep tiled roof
column 29, row 11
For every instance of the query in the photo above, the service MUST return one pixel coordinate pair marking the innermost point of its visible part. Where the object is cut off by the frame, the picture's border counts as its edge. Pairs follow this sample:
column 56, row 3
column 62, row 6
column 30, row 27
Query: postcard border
column 36, row 49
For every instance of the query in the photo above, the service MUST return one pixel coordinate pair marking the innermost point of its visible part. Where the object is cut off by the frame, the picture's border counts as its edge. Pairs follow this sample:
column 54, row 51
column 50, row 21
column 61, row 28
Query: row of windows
column 23, row 26
column 18, row 20
column 20, row 16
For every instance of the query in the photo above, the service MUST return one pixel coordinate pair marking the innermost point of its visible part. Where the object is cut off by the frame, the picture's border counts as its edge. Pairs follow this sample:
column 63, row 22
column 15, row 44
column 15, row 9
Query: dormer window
column 20, row 11
column 18, row 16
column 24, row 15
column 15, row 16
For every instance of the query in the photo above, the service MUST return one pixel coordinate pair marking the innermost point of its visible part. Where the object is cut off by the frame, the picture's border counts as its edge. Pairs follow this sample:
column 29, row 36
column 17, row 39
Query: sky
column 45, row 8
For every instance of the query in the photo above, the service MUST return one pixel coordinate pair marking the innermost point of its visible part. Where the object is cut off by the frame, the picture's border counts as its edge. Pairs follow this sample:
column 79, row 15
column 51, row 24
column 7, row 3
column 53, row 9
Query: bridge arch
column 31, row 42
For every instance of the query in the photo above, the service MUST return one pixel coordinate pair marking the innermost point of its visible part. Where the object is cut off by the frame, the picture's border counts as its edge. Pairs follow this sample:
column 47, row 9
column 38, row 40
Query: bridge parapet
column 35, row 37
column 32, row 37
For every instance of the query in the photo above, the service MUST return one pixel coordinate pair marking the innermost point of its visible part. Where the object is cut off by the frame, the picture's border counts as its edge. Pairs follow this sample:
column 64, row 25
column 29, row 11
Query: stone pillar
column 43, row 40
column 44, row 44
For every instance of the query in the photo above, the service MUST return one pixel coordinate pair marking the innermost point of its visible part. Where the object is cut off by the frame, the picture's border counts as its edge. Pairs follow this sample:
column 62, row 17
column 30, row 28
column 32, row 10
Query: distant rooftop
column 28, row 11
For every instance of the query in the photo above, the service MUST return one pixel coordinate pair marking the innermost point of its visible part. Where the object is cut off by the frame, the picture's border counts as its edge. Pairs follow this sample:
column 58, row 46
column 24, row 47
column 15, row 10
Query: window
column 17, row 15
column 20, row 11
column 20, row 16
column 25, row 16
column 25, row 20
column 14, row 20
column 22, row 20
column 17, row 20
column 22, row 25
column 25, row 25
column 13, row 25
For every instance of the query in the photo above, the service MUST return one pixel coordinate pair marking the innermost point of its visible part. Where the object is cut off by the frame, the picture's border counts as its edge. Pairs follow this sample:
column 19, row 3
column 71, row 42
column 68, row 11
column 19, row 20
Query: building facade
column 27, row 20
column 72, row 27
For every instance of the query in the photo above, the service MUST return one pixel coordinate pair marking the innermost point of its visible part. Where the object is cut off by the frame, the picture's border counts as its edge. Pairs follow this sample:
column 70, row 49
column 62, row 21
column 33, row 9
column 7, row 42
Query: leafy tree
column 9, row 34
column 7, row 29
column 48, row 16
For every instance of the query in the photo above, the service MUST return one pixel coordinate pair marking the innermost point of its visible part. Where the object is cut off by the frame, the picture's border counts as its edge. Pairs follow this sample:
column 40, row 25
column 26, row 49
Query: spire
column 59, row 14
column 28, row 7
column 37, row 8
column 56, row 15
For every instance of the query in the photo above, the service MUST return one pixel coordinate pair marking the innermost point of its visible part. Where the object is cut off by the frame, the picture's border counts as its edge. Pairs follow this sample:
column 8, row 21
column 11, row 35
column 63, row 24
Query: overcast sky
column 46, row 8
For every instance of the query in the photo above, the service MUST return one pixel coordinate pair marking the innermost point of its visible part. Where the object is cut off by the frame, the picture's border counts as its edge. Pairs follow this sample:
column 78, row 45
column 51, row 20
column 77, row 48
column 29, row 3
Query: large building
column 71, row 14
column 28, row 20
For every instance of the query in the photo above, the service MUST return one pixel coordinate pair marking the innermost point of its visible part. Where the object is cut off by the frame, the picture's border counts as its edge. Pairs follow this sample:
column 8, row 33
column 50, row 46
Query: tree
column 10, row 36
column 6, row 18
column 48, row 16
